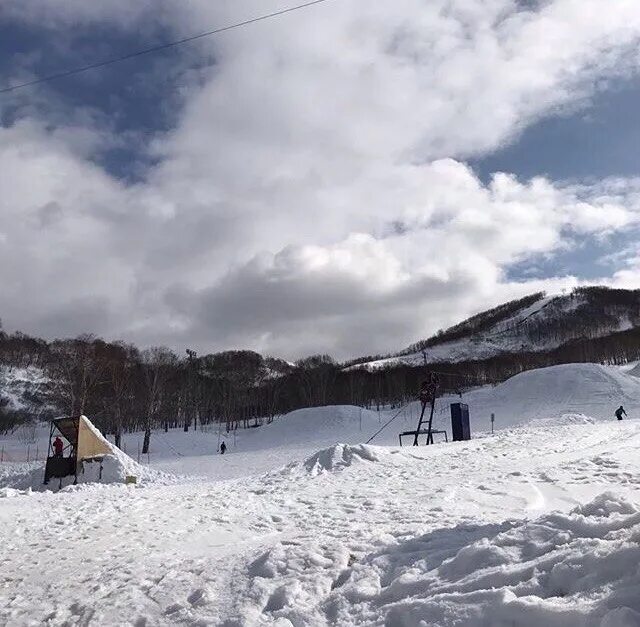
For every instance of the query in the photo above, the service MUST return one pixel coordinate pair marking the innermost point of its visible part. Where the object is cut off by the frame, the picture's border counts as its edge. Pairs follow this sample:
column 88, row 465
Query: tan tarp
column 90, row 442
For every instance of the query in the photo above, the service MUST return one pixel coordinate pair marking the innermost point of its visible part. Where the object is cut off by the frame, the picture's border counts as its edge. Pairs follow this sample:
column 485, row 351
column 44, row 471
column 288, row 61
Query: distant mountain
column 536, row 323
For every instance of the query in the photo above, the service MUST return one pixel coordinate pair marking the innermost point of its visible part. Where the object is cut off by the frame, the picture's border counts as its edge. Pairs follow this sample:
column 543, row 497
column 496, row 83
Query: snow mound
column 635, row 371
column 322, row 426
column 339, row 457
column 569, row 570
column 119, row 466
column 554, row 392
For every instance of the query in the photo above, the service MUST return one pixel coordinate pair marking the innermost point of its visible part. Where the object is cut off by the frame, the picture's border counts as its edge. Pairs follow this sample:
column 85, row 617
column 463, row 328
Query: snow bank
column 18, row 478
column 635, row 371
column 561, row 570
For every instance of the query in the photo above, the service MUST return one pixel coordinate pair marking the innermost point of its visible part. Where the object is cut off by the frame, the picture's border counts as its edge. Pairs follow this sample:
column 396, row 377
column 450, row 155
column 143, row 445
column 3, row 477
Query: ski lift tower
column 428, row 394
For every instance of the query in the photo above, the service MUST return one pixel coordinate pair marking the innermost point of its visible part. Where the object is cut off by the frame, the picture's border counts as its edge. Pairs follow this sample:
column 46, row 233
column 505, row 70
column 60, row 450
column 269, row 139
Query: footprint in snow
column 197, row 597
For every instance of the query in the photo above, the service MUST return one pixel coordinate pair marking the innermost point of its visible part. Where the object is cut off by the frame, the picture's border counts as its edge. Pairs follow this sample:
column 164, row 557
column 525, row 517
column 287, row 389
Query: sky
column 345, row 179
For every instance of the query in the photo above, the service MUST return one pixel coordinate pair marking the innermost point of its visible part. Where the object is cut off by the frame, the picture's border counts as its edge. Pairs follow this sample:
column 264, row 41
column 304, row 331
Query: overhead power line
column 158, row 48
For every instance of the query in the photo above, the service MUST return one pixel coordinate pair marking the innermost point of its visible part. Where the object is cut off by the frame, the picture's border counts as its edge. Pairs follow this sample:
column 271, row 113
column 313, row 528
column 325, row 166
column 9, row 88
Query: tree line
column 122, row 388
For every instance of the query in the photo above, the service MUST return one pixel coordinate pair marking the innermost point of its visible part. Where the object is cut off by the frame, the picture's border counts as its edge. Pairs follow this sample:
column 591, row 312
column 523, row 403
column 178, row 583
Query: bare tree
column 158, row 365
column 121, row 360
column 76, row 368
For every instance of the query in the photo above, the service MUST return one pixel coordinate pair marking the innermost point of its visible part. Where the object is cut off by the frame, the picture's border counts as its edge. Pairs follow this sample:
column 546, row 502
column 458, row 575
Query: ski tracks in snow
column 354, row 536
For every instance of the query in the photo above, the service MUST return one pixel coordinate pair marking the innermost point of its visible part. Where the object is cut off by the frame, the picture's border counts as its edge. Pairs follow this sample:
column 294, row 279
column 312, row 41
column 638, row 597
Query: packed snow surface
column 538, row 524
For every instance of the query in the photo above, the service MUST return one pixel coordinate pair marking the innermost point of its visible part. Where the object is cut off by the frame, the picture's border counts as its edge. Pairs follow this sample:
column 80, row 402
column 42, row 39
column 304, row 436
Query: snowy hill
column 589, row 389
column 551, row 393
column 535, row 323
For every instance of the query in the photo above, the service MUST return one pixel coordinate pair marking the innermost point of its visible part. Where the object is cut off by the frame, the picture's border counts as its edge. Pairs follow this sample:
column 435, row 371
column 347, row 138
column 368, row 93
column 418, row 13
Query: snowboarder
column 58, row 447
column 619, row 412
column 223, row 448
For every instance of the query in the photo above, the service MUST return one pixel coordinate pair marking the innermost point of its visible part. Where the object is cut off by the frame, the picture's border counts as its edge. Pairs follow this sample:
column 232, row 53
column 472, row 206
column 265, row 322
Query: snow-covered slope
column 590, row 389
column 535, row 526
column 317, row 426
column 536, row 323
column 22, row 387
column 538, row 524
column 635, row 370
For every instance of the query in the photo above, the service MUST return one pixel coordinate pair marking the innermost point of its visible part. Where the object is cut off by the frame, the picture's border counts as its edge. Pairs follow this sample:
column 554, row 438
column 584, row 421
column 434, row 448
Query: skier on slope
column 223, row 448
column 619, row 412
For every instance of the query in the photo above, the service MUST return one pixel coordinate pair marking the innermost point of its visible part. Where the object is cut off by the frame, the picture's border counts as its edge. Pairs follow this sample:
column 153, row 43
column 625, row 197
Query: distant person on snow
column 619, row 412
column 58, row 446
column 223, row 448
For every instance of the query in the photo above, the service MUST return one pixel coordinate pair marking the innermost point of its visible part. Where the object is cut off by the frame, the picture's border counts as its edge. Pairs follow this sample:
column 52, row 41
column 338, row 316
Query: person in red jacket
column 58, row 447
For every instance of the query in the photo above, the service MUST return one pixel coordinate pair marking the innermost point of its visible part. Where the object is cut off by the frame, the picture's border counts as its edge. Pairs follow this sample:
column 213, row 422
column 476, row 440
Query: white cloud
column 313, row 195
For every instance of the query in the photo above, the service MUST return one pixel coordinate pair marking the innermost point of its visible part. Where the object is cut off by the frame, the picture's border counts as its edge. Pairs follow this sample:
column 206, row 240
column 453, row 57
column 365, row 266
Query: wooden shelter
column 84, row 443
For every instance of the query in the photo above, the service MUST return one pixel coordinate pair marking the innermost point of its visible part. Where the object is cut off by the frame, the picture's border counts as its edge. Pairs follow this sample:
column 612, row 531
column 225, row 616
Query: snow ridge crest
column 338, row 457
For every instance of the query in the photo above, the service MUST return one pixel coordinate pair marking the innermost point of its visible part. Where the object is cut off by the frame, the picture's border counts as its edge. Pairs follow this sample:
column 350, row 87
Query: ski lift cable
column 167, row 443
column 171, row 44
column 453, row 374
column 386, row 424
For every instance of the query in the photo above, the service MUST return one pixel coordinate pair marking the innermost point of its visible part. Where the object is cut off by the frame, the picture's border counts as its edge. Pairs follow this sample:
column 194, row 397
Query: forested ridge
column 123, row 388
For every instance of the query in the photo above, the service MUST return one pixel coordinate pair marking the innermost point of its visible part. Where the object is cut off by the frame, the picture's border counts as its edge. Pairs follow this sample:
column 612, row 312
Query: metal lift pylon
column 427, row 396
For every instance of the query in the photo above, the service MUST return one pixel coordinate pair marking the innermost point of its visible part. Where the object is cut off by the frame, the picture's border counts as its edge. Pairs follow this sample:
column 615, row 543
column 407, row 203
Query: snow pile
column 339, row 457
column 116, row 466
column 574, row 569
column 7, row 493
column 635, row 371
column 319, row 426
column 115, row 469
